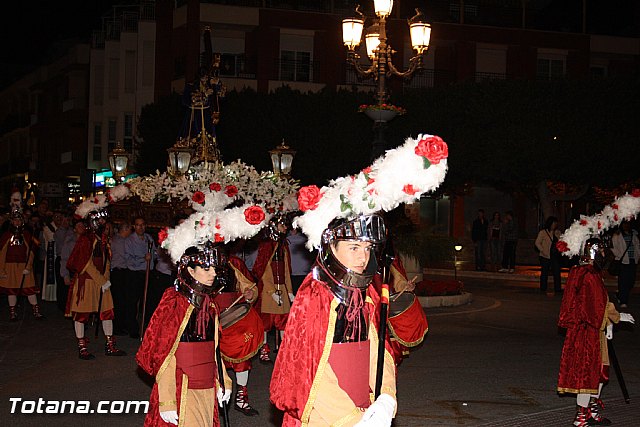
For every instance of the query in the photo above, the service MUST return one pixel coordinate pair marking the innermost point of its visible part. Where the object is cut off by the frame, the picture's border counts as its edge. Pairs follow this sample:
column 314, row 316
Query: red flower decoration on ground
column 408, row 188
column 163, row 234
column 218, row 238
column 198, row 197
column 254, row 215
column 214, row 186
column 231, row 190
column 309, row 197
column 432, row 148
column 562, row 246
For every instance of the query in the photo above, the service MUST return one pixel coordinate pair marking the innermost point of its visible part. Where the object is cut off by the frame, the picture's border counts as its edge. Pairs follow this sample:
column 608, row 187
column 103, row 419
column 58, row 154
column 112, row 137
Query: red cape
column 165, row 328
column 241, row 267
column 303, row 345
column 582, row 314
column 26, row 236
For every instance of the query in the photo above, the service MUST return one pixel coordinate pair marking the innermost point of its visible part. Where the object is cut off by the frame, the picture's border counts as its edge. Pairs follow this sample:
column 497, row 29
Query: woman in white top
column 549, row 255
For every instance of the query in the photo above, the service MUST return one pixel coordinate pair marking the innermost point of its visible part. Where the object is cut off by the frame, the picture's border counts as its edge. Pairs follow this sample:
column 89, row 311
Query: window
column 97, row 143
column 111, row 134
column 127, row 140
column 549, row 69
column 295, row 66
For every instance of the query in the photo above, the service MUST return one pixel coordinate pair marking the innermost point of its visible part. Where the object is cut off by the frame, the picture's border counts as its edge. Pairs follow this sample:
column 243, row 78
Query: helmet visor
column 366, row 228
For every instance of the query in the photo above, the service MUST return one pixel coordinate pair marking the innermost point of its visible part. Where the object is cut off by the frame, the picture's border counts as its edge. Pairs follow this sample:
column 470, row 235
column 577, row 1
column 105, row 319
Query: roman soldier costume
column 335, row 320
column 179, row 348
column 242, row 328
column 17, row 251
column 272, row 268
column 89, row 265
column 586, row 313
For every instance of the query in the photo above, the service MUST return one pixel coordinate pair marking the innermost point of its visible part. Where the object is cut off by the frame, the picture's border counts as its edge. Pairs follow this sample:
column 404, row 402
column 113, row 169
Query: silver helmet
column 364, row 228
column 595, row 252
column 205, row 256
column 96, row 220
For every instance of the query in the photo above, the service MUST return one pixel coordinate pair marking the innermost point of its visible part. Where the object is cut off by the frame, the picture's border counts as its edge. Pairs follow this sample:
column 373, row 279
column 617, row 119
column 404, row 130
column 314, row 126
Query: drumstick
column 402, row 291
column 239, row 298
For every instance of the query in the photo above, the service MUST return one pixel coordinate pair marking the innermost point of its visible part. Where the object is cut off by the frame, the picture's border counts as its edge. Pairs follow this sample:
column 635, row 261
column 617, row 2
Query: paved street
column 493, row 362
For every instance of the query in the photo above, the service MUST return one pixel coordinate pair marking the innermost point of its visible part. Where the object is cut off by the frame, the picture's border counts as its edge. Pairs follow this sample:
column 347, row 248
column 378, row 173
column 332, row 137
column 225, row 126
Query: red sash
column 350, row 363
column 196, row 360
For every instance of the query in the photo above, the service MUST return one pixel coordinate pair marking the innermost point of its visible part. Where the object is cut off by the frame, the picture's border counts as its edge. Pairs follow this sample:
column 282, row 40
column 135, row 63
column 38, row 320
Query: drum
column 242, row 333
column 407, row 321
column 232, row 315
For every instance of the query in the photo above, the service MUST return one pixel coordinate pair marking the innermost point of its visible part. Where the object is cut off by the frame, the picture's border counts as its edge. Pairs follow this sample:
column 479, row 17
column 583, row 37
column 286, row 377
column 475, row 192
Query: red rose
column 583, row 222
column 615, row 217
column 635, row 192
column 198, row 197
column 254, row 215
column 95, row 201
column 214, row 186
column 599, row 225
column 408, row 188
column 218, row 238
column 367, row 170
column 162, row 235
column 309, row 197
column 562, row 246
column 231, row 190
column 432, row 148
column 614, row 206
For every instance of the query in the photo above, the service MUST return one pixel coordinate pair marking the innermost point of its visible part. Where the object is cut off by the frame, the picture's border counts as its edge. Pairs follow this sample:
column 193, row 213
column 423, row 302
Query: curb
column 446, row 300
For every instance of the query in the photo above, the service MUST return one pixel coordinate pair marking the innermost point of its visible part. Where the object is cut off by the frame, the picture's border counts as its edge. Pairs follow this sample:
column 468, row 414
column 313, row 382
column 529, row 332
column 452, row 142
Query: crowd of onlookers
column 496, row 239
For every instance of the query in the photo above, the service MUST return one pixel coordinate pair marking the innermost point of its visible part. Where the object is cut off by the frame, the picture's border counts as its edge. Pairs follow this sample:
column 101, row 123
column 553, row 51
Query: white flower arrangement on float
column 401, row 175
column 224, row 182
column 623, row 207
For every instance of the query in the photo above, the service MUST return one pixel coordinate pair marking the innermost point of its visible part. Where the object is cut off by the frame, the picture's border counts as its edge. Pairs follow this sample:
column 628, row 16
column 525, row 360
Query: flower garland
column 218, row 184
column 401, row 175
column 623, row 207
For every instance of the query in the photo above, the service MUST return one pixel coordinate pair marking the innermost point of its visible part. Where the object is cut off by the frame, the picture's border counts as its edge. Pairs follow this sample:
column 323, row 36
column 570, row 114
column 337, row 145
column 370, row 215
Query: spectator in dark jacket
column 510, row 232
column 479, row 237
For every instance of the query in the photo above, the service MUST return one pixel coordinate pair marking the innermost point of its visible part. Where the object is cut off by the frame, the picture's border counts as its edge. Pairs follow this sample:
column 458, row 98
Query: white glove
column 223, row 397
column 25, row 271
column 277, row 298
column 626, row 317
column 291, row 297
column 170, row 417
column 609, row 331
column 380, row 413
column 106, row 286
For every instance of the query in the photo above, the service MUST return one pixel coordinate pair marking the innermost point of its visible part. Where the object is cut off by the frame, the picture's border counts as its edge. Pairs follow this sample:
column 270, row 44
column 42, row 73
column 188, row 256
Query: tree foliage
column 505, row 133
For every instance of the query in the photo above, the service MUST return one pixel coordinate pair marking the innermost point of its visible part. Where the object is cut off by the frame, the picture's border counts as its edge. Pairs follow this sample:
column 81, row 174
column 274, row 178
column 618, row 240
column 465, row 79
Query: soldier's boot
column 242, row 402
column 13, row 314
column 36, row 312
column 264, row 353
column 110, row 348
column 83, row 351
column 595, row 407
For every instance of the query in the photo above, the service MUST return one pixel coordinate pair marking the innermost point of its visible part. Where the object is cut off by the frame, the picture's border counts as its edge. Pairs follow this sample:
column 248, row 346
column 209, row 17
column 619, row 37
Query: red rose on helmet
column 433, row 148
column 254, row 215
column 309, row 197
column 562, row 246
column 635, row 192
column 408, row 188
column 162, row 235
column 218, row 238
column 214, row 186
column 231, row 190
column 198, row 197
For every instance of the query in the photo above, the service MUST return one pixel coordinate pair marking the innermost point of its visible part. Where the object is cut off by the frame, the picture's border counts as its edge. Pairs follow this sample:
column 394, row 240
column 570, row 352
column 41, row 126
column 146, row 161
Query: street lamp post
column 457, row 248
column 380, row 53
column 118, row 162
column 282, row 160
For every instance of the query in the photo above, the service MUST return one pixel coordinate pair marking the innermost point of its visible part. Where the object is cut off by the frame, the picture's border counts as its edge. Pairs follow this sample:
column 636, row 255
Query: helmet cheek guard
column 206, row 257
